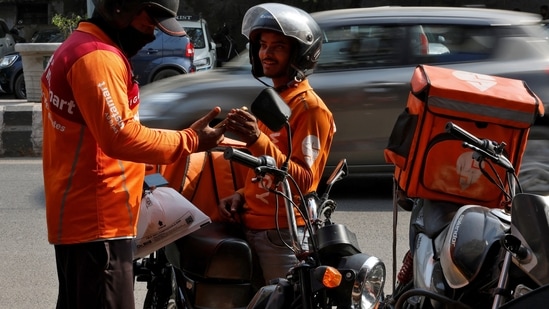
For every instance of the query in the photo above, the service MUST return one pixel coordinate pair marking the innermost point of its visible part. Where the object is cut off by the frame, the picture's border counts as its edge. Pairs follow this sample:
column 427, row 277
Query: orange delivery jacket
column 312, row 127
column 94, row 147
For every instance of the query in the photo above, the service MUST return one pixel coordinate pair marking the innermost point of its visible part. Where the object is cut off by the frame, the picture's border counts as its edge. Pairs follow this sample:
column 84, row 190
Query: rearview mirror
column 341, row 171
column 271, row 109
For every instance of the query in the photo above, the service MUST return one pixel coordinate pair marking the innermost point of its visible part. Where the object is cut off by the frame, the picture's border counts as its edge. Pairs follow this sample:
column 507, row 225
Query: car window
column 457, row 43
column 369, row 45
column 197, row 37
column 156, row 43
column 362, row 46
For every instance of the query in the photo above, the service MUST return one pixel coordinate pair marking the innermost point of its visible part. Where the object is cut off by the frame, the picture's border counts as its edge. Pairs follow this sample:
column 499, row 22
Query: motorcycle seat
column 216, row 251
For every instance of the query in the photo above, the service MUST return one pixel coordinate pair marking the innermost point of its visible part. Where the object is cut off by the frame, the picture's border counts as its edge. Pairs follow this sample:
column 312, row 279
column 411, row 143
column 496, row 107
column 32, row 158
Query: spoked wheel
column 157, row 298
column 161, row 294
column 163, row 291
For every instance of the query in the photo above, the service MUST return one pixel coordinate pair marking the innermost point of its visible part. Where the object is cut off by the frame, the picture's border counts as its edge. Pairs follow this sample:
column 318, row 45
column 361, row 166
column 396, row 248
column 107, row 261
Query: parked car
column 51, row 35
column 166, row 56
column 365, row 67
column 7, row 42
column 12, row 79
column 205, row 56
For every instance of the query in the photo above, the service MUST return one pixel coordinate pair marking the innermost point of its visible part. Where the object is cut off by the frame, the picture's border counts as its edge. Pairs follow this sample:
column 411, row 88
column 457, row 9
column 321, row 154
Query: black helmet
column 119, row 13
column 291, row 22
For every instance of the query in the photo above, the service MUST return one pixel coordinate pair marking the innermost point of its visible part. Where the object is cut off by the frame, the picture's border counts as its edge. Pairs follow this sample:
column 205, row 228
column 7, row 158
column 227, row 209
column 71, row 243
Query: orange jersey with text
column 94, row 148
column 312, row 127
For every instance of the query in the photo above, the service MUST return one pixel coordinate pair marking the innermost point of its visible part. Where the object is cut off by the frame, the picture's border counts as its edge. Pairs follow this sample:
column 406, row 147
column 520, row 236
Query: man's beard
column 132, row 41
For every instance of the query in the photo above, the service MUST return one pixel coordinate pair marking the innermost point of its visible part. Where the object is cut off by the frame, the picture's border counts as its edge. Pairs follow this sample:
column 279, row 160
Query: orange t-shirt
column 312, row 127
column 92, row 141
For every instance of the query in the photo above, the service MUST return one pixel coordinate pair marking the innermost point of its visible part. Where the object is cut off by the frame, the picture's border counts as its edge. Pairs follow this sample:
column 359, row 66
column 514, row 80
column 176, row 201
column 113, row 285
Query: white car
column 205, row 56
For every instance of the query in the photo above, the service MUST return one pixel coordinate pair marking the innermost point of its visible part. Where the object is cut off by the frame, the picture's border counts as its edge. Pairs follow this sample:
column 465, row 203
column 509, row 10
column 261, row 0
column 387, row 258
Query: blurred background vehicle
column 12, row 80
column 226, row 46
column 51, row 35
column 365, row 68
column 205, row 56
column 15, row 32
column 166, row 56
column 7, row 42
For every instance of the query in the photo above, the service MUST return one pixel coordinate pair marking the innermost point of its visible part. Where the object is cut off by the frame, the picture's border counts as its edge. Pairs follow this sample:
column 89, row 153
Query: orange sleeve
column 313, row 129
column 102, row 99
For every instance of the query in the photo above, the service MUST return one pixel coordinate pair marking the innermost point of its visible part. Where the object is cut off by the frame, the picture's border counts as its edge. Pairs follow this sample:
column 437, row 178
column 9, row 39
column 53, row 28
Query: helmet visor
column 279, row 17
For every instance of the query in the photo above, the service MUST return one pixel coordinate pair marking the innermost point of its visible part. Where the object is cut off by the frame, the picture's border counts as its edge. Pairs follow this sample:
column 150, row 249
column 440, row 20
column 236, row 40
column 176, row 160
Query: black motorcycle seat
column 217, row 250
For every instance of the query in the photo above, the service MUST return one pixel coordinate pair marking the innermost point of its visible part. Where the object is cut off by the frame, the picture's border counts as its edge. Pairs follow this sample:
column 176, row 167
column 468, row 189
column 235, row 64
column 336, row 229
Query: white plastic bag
column 164, row 217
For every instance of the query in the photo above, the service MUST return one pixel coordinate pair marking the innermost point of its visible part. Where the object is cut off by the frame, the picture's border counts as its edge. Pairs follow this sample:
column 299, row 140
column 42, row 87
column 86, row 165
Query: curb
column 21, row 130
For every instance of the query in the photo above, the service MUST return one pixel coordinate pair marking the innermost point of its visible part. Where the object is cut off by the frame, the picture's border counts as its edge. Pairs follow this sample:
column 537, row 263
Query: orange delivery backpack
column 206, row 177
column 432, row 164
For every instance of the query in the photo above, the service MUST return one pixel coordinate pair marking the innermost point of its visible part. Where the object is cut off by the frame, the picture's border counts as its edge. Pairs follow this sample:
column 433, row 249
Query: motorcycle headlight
column 368, row 280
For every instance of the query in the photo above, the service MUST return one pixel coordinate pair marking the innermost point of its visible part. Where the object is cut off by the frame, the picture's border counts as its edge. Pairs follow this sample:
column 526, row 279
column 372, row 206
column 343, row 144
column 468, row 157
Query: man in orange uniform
column 285, row 44
column 95, row 149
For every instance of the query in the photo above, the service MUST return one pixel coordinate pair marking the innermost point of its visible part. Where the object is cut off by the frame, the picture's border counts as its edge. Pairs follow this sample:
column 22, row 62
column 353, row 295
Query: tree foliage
column 66, row 23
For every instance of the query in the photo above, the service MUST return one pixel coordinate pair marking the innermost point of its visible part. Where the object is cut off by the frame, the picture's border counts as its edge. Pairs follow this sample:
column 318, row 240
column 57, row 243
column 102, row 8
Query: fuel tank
column 474, row 230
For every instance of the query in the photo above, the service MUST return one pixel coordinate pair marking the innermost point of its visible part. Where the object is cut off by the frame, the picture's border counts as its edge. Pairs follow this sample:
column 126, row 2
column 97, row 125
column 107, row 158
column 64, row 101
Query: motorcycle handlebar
column 246, row 159
column 465, row 136
column 488, row 148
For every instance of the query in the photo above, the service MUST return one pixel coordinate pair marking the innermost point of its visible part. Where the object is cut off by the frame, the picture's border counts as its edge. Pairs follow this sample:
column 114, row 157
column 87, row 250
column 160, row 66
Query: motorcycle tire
column 19, row 89
column 159, row 296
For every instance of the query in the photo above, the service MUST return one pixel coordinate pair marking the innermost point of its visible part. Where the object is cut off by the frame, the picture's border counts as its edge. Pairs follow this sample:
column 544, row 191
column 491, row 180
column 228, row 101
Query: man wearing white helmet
column 285, row 44
column 95, row 149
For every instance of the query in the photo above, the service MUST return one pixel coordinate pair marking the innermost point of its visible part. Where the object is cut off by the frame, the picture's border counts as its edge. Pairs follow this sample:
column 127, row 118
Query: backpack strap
column 197, row 183
column 214, row 180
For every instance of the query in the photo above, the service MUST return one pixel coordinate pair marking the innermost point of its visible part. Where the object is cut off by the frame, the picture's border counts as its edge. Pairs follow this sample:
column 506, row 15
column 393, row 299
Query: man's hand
column 230, row 206
column 208, row 137
column 243, row 124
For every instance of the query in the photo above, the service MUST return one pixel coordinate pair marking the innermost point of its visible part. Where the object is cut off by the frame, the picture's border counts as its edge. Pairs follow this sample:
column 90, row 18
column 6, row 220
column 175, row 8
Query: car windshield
column 197, row 37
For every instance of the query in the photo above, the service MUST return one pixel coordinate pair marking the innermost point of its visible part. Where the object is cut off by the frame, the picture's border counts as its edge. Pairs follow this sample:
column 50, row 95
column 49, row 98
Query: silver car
column 366, row 64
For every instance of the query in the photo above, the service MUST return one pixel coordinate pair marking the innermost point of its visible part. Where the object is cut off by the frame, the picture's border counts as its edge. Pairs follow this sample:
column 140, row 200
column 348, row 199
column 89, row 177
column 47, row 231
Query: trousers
column 95, row 275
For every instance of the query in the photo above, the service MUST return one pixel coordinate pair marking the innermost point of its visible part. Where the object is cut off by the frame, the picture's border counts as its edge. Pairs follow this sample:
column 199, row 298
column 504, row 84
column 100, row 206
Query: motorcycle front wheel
column 158, row 298
column 160, row 294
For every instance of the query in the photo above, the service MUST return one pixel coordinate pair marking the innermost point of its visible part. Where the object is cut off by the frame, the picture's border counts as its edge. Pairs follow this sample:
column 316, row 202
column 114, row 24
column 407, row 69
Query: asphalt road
column 27, row 266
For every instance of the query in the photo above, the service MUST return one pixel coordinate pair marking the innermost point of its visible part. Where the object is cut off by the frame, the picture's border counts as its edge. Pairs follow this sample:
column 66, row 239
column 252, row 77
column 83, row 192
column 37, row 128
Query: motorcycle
column 213, row 264
column 470, row 256
column 15, row 32
column 225, row 45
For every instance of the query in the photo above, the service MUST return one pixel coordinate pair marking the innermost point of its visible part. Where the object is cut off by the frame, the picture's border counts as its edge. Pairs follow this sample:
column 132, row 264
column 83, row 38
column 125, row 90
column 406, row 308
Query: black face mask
column 131, row 40
column 128, row 39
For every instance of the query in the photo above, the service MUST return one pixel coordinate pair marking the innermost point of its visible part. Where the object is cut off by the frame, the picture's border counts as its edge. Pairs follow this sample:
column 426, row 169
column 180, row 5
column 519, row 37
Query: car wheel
column 19, row 90
column 165, row 73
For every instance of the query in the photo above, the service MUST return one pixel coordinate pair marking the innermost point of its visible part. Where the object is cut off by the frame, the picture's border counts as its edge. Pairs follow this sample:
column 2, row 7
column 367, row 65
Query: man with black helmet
column 95, row 149
column 285, row 44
